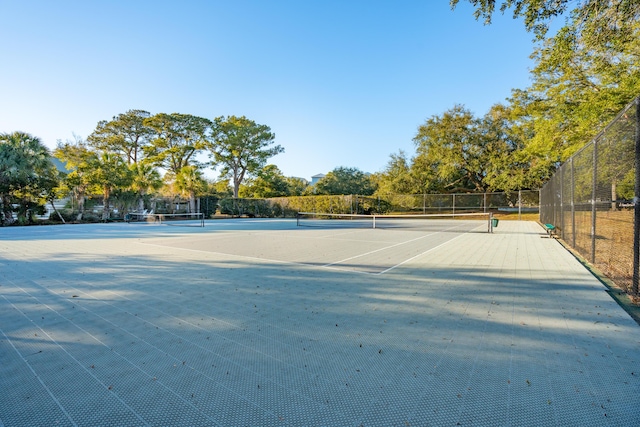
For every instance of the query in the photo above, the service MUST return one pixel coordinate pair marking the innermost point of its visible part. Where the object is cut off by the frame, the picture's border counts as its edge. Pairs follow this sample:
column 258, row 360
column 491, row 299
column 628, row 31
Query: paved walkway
column 109, row 325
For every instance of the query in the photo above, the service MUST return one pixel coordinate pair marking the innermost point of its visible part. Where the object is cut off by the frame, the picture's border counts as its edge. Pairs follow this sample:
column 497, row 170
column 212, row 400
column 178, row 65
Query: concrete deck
column 260, row 323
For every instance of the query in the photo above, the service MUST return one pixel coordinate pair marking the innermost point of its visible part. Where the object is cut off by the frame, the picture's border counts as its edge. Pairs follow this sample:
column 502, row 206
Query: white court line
column 419, row 255
column 275, row 261
column 245, row 221
column 377, row 250
column 33, row 372
column 330, row 266
column 80, row 364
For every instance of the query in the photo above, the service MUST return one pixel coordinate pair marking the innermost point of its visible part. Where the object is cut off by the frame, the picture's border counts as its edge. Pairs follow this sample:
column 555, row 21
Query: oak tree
column 344, row 181
column 240, row 146
column 125, row 134
column 176, row 141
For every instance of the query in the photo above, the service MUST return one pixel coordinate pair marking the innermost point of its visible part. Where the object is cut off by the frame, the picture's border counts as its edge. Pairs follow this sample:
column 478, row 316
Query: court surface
column 262, row 323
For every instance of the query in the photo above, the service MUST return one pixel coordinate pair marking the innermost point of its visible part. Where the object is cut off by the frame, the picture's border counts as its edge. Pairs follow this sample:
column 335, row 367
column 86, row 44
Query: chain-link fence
column 591, row 200
column 515, row 203
column 524, row 201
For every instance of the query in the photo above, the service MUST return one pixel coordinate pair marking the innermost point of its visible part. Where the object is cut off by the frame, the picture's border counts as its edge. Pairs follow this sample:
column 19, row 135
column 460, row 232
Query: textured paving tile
column 261, row 323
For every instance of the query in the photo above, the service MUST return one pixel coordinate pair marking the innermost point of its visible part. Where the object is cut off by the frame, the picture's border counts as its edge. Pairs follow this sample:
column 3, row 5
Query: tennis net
column 459, row 222
column 180, row 219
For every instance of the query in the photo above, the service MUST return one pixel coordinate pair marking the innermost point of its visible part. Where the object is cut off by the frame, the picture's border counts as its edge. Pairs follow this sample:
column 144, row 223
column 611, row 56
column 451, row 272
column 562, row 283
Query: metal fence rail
column 517, row 202
column 522, row 201
column 592, row 199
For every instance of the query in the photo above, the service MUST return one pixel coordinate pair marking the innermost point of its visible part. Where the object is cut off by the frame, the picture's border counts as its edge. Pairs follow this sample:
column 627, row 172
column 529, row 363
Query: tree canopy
column 177, row 139
column 170, row 143
column 600, row 20
column 452, row 146
column 583, row 76
column 345, row 180
column 269, row 182
column 240, row 146
column 26, row 175
column 126, row 134
column 397, row 177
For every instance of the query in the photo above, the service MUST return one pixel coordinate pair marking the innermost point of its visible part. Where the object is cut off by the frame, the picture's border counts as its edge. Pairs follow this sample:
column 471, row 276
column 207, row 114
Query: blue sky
column 340, row 83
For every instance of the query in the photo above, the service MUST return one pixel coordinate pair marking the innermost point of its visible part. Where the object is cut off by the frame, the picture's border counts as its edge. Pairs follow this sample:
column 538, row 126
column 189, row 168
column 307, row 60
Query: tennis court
column 265, row 323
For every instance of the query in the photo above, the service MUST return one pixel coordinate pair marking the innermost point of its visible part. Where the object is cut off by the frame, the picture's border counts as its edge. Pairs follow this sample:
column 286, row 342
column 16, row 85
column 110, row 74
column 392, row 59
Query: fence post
column 561, row 210
column 573, row 205
column 593, row 201
column 636, row 208
column 519, row 205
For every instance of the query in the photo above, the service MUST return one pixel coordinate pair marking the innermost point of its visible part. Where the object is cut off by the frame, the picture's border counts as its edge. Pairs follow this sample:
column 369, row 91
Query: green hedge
column 280, row 207
column 288, row 206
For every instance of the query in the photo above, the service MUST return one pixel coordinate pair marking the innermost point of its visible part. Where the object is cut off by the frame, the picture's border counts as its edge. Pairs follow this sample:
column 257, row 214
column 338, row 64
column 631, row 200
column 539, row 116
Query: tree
column 189, row 181
column 397, row 177
column 144, row 179
column 583, row 75
column 177, row 139
column 77, row 157
column 451, row 150
column 507, row 167
column 269, row 182
column 600, row 20
column 109, row 173
column 297, row 186
column 93, row 172
column 344, row 180
column 55, row 192
column 26, row 175
column 125, row 134
column 222, row 188
column 576, row 90
column 241, row 147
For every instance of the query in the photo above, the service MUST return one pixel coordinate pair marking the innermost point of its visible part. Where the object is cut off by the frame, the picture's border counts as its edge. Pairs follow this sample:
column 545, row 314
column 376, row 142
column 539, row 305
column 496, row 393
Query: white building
column 316, row 178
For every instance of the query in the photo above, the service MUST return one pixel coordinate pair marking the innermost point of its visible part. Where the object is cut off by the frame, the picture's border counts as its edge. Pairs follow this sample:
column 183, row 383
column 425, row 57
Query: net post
column 519, row 204
column 490, row 225
column 374, row 221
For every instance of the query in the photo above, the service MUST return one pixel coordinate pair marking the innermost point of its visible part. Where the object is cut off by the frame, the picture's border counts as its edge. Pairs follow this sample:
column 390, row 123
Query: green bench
column 551, row 229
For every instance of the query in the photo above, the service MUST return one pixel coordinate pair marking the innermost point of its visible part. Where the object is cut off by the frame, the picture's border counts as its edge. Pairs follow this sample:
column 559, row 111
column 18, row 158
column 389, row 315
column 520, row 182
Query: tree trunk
column 192, row 202
column 7, row 212
column 105, row 203
column 238, row 175
column 80, row 200
column 56, row 211
column 236, row 187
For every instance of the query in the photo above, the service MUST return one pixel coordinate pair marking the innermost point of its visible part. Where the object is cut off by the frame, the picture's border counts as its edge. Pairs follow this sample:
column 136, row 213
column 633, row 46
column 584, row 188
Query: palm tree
column 26, row 174
column 77, row 158
column 109, row 172
column 145, row 179
column 189, row 181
